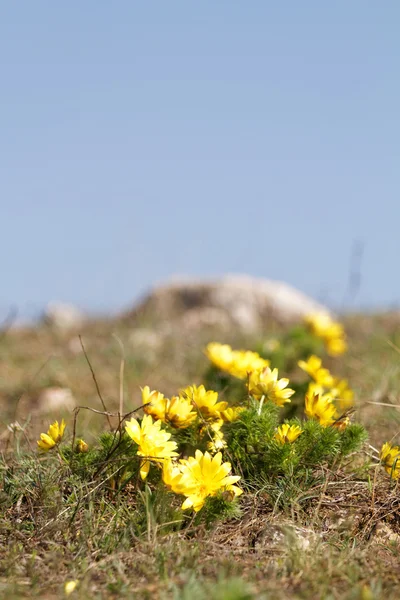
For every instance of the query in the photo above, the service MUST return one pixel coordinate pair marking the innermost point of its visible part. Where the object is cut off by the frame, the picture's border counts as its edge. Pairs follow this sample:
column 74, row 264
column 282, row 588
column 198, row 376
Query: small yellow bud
column 81, row 446
column 70, row 586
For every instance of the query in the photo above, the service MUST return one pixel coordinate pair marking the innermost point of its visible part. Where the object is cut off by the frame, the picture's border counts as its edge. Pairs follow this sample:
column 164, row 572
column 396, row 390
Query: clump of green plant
column 287, row 458
column 194, row 454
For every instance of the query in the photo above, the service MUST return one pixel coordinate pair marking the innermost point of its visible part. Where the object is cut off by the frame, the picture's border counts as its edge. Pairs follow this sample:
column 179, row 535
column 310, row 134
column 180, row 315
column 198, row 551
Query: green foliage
column 225, row 385
column 296, row 344
column 218, row 508
column 157, row 510
column 290, row 467
column 352, row 438
column 231, row 588
column 191, row 438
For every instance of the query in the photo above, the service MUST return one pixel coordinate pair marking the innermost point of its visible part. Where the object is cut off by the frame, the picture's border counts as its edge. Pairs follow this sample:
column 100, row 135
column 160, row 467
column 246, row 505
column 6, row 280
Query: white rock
column 197, row 319
column 55, row 399
column 64, row 317
column 248, row 302
column 146, row 340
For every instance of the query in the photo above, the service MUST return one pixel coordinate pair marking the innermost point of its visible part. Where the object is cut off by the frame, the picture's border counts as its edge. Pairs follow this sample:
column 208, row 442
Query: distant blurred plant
column 331, row 332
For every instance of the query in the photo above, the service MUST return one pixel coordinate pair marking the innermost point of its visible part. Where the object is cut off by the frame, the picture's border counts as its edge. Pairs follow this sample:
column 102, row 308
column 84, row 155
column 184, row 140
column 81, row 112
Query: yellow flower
column 344, row 395
column 218, row 442
column 235, row 362
column 325, row 382
column 320, row 408
column 174, row 479
column 153, row 442
column 180, row 413
column 176, row 411
column 287, row 433
column 266, row 383
column 331, row 332
column 203, row 476
column 154, row 403
column 70, row 586
column 344, row 405
column 220, row 355
column 314, row 388
column 205, row 401
column 245, row 362
column 336, row 347
column 82, row 446
column 46, row 442
column 390, row 459
column 313, row 366
column 52, row 437
column 231, row 414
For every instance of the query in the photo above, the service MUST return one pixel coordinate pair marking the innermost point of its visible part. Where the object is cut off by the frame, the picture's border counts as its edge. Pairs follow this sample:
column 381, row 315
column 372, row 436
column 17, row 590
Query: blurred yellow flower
column 324, row 382
column 320, row 408
column 245, row 362
column 336, row 346
column 153, row 442
column 390, row 459
column 314, row 388
column 220, row 355
column 52, row 437
column 313, row 366
column 342, row 393
column 287, row 433
column 203, row 476
column 331, row 332
column 205, row 401
column 235, row 362
column 266, row 383
column 70, row 586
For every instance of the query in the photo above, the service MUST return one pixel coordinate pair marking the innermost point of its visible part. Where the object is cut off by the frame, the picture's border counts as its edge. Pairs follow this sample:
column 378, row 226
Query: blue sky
column 143, row 140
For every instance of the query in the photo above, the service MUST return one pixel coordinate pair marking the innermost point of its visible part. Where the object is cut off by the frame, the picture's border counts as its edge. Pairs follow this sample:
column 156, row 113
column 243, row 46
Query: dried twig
column 96, row 384
column 121, row 377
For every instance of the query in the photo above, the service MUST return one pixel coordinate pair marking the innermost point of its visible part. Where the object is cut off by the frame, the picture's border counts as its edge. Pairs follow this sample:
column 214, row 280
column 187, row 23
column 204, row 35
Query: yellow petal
column 187, row 504
column 144, row 469
column 46, row 442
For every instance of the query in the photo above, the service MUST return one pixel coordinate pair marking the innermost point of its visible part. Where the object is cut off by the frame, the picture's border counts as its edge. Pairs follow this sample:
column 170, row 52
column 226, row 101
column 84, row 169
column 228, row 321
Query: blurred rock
column 37, row 403
column 146, row 340
column 198, row 319
column 64, row 317
column 278, row 536
column 385, row 535
column 55, row 399
column 242, row 301
column 74, row 345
